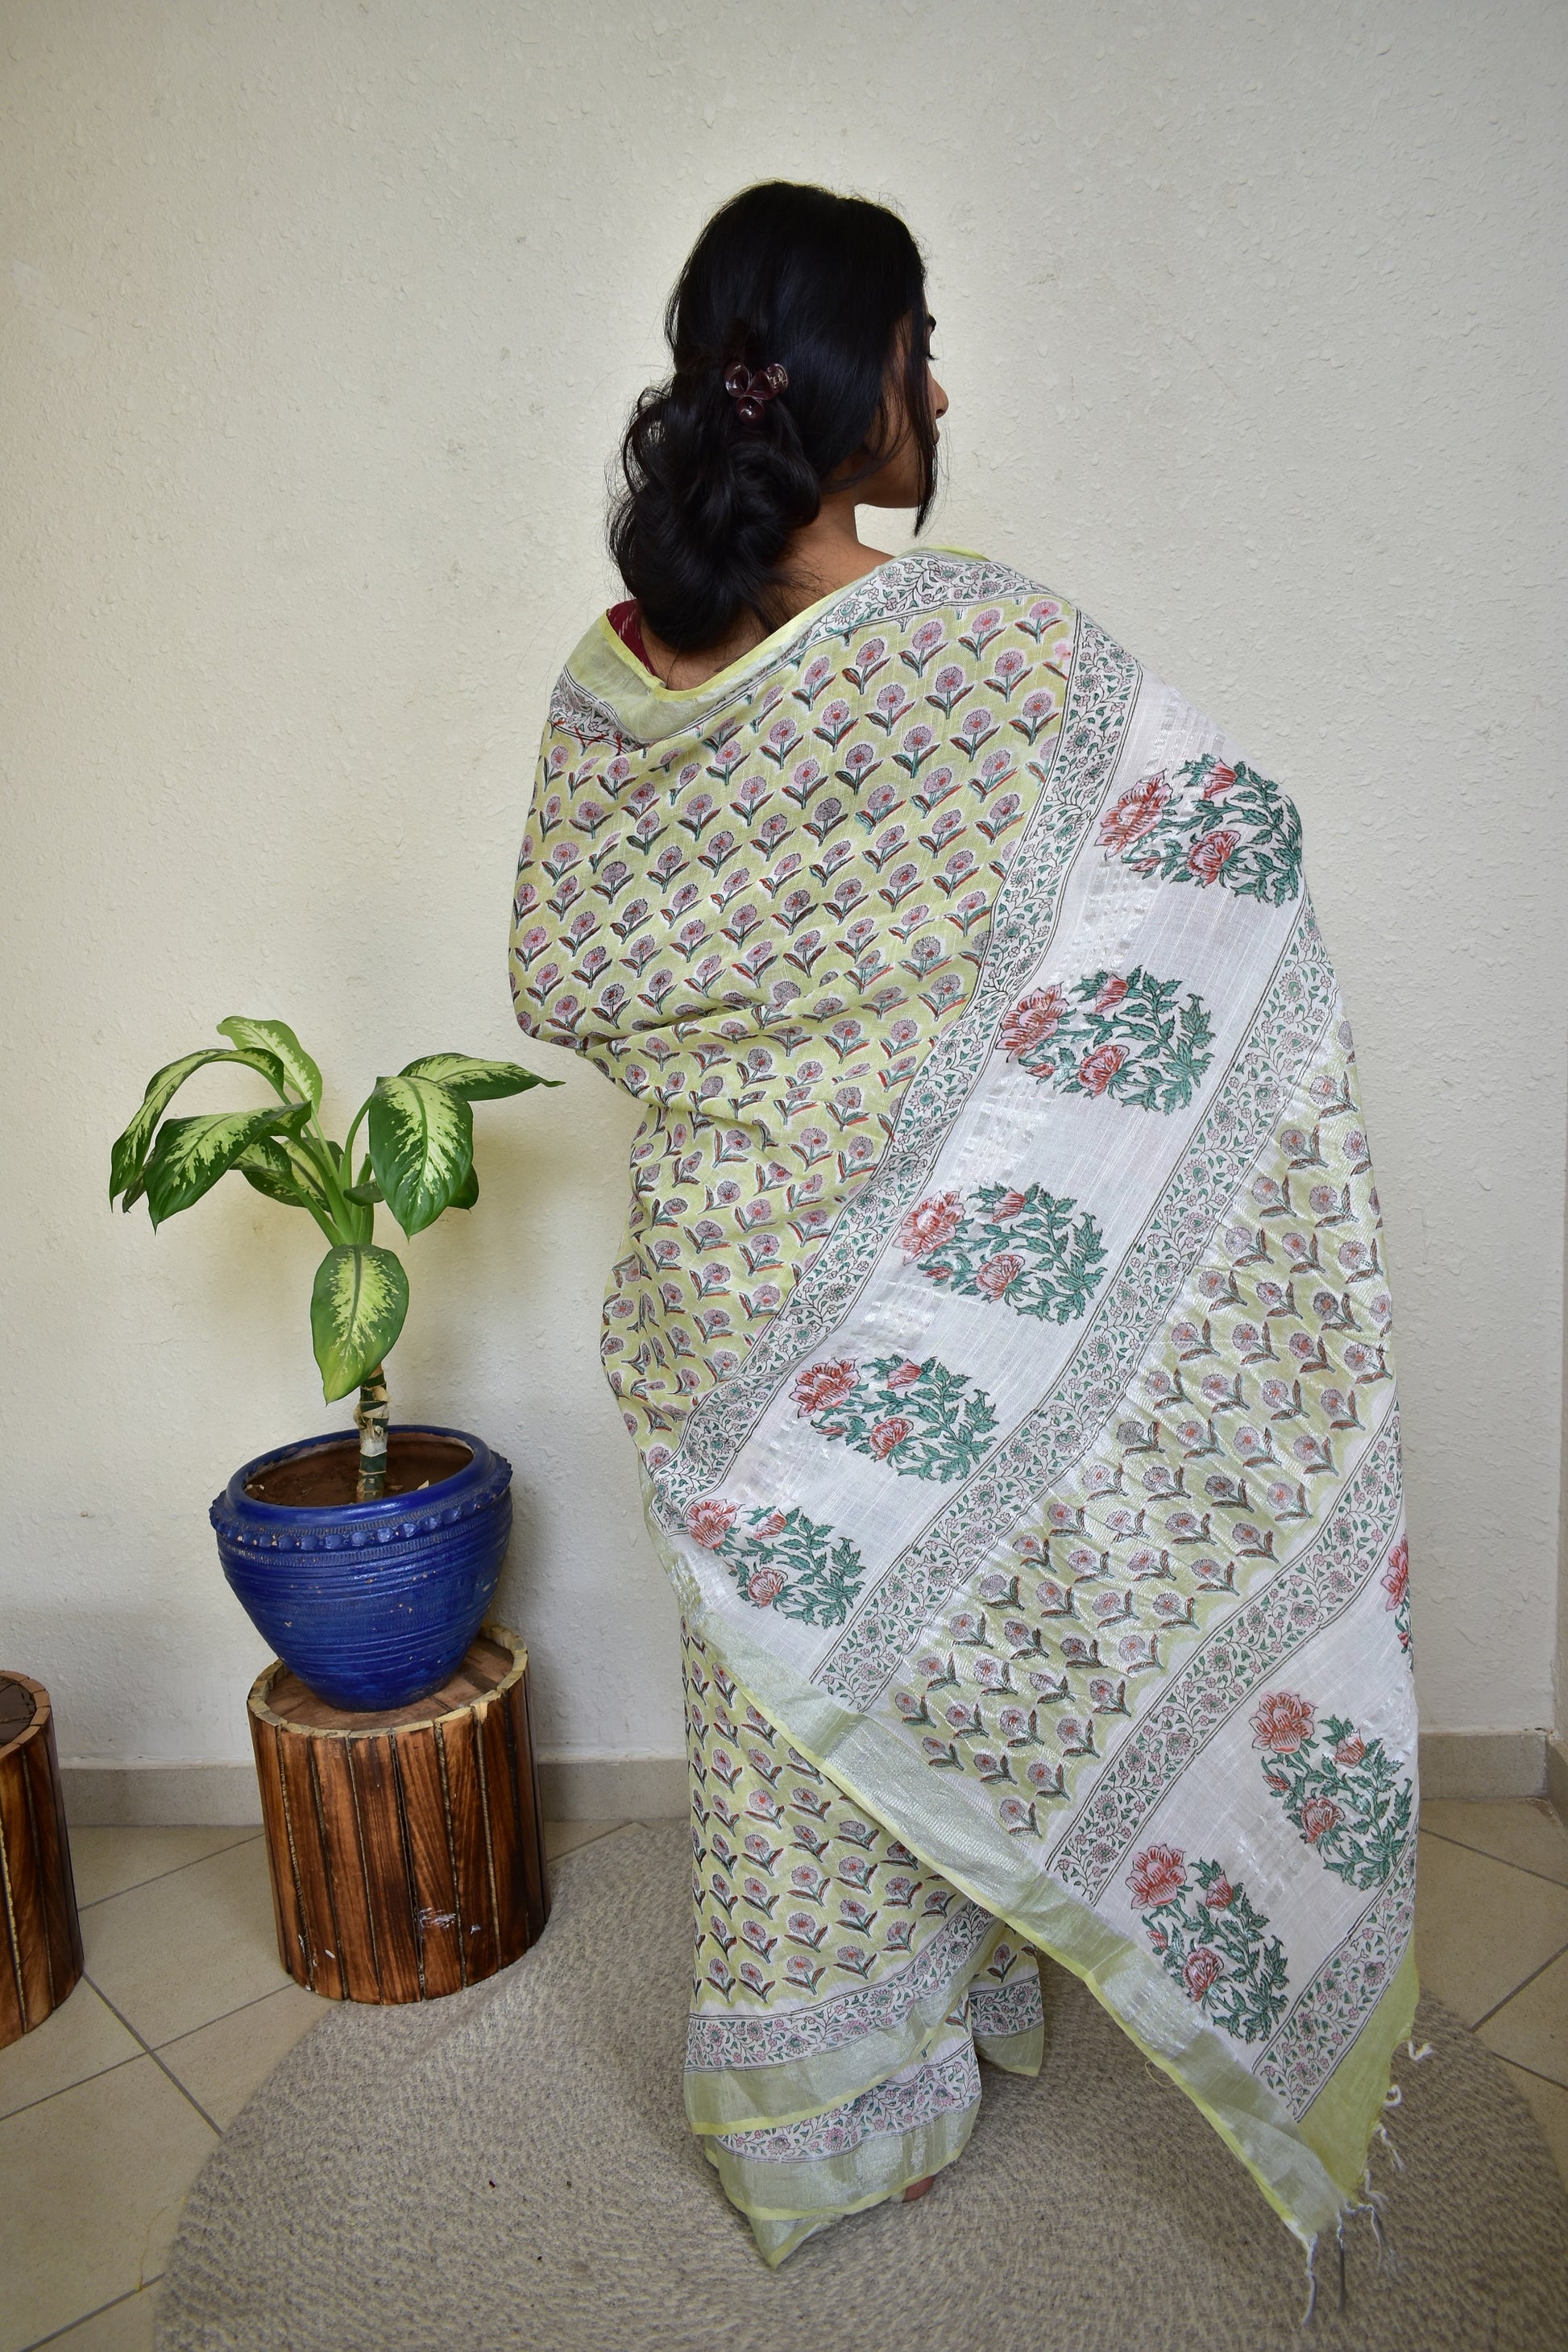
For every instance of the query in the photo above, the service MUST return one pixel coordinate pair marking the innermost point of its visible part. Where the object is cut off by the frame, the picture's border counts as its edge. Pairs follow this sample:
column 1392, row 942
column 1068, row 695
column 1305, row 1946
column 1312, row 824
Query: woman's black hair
column 784, row 274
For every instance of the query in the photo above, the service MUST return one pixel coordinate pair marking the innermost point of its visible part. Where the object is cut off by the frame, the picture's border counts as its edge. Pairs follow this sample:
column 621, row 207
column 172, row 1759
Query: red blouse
column 622, row 619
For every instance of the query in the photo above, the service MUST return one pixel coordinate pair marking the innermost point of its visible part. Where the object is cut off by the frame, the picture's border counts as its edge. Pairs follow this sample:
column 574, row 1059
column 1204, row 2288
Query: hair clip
column 752, row 393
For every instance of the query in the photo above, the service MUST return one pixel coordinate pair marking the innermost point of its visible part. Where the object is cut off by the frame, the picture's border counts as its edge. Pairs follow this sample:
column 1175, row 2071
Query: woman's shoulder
column 949, row 573
column 921, row 579
column 929, row 604
column 957, row 589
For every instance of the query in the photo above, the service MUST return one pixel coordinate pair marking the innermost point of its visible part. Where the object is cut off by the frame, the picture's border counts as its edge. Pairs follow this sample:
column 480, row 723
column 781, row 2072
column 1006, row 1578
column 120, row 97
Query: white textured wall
column 317, row 322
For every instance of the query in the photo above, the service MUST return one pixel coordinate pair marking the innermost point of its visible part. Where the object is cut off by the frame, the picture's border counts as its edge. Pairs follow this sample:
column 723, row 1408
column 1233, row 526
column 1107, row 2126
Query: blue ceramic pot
column 372, row 1604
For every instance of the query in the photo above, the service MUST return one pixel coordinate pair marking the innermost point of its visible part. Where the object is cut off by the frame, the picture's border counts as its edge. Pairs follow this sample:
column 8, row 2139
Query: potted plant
column 368, row 1566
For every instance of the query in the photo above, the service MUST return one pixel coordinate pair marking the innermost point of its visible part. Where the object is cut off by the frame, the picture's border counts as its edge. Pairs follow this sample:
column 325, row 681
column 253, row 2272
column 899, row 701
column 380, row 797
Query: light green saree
column 1002, row 1323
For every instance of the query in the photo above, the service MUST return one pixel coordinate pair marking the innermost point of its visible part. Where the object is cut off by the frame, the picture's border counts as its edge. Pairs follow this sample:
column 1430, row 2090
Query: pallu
column 1002, row 1323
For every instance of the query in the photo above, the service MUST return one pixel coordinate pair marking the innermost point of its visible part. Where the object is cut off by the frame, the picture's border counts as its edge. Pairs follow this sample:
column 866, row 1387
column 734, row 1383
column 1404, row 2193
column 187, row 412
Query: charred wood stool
column 407, row 1848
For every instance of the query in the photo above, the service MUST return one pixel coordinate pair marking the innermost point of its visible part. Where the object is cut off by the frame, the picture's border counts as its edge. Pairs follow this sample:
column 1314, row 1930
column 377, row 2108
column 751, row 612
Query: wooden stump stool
column 40, row 1938
column 406, row 1849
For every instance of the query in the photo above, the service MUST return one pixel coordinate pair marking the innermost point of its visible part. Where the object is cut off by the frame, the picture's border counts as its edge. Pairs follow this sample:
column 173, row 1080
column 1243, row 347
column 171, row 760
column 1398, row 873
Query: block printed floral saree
column 1002, row 1323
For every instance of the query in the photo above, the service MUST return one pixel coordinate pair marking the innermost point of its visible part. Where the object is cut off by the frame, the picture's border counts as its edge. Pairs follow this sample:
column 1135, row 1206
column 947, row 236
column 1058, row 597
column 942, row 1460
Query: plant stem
column 314, row 1144
column 370, row 1414
column 348, row 1139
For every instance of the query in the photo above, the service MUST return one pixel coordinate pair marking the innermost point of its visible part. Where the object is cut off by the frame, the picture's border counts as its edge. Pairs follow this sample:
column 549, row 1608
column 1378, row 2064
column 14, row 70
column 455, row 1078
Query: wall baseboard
column 160, row 1796
column 1483, row 1764
column 578, row 1788
column 224, row 1796
column 614, row 1788
column 1557, row 1775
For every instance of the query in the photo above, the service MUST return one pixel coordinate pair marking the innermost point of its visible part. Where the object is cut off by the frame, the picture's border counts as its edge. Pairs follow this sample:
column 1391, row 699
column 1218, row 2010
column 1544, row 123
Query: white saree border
column 1054, row 1513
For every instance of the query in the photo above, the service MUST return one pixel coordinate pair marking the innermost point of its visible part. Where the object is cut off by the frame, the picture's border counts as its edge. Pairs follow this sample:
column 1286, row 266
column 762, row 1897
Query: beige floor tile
column 178, row 1951
column 1550, row 2101
column 1481, row 1928
column 1532, row 2028
column 91, row 2187
column 559, row 1837
column 1515, row 1829
column 81, row 2038
column 222, row 2064
column 125, row 2327
column 106, row 1862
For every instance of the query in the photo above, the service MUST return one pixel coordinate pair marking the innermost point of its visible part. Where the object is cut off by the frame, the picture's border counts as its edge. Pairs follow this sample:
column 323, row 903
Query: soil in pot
column 325, row 1477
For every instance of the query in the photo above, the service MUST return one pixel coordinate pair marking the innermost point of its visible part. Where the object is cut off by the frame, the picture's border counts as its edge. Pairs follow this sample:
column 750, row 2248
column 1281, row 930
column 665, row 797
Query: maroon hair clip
column 752, row 393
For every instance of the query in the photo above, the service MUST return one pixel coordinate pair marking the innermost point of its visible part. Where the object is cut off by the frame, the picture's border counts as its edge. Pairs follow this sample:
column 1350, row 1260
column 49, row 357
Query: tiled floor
column 111, row 2107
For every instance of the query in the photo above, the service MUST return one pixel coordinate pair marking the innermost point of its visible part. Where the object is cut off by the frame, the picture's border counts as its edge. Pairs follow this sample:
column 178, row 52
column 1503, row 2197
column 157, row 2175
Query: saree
column 1002, row 1323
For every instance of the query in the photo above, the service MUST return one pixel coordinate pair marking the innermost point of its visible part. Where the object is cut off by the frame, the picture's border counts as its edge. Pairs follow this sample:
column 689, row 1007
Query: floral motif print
column 1005, row 1996
column 798, row 1897
column 1032, row 1021
column 1329, row 2013
column 1396, row 1584
column 923, row 1420
column 709, row 1522
column 1136, row 813
column 782, row 1559
column 998, row 1243
column 1218, row 824
column 1344, row 1792
column 1159, row 1876
column 1005, row 1744
column 1287, row 1613
column 929, row 1223
column 760, row 926
column 821, row 1387
column 1275, row 1358
column 1212, row 1940
column 1283, row 1722
column 1125, row 1037
column 936, row 2087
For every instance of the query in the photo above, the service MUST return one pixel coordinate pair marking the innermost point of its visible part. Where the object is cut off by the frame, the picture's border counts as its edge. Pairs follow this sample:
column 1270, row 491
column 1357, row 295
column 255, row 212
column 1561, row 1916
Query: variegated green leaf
column 285, row 1171
column 190, row 1154
column 421, row 1138
column 357, row 1307
column 474, row 1079
column 276, row 1038
column 365, row 1192
column 264, row 1164
column 471, row 1192
column 130, row 1152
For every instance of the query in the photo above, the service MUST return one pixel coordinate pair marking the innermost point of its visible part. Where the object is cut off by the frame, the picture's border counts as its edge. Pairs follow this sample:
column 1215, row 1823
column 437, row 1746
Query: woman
column 1001, row 1318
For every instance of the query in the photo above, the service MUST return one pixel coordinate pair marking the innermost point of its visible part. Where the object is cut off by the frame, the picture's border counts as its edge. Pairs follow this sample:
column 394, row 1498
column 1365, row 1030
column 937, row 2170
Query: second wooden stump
column 40, row 1940
column 406, row 1849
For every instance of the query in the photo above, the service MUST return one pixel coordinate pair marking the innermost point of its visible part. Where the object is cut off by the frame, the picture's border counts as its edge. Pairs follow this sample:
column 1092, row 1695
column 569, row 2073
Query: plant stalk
column 371, row 1416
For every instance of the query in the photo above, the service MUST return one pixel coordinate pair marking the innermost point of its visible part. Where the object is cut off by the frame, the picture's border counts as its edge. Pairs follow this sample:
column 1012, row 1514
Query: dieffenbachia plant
column 419, row 1159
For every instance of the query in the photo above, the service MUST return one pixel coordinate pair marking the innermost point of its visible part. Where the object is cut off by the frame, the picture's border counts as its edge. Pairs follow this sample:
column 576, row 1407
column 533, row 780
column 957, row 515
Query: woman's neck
column 818, row 561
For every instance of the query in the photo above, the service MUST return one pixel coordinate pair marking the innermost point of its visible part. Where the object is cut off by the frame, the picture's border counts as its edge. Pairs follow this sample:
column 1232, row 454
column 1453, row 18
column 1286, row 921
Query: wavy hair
column 789, row 275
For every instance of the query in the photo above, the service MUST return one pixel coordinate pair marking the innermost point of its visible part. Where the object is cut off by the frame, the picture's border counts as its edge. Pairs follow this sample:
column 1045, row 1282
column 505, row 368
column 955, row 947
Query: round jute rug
column 511, row 2168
